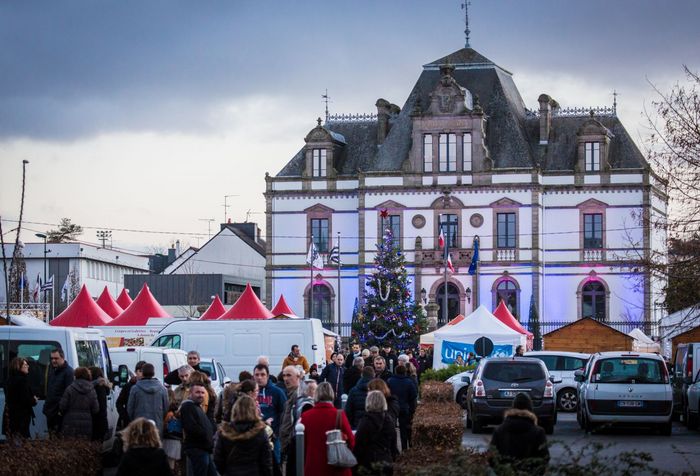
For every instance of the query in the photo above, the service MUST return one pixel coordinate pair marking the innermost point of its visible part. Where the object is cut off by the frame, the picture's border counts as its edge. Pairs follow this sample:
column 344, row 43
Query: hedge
column 55, row 456
column 432, row 391
column 438, row 425
column 443, row 374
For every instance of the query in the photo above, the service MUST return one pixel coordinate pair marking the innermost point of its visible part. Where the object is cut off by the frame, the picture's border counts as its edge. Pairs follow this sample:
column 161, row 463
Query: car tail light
column 548, row 390
column 479, row 390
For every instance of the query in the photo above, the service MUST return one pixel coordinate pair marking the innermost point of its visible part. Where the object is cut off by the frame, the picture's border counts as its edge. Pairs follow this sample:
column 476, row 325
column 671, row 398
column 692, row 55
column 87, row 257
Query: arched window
column 593, row 297
column 507, row 291
column 322, row 303
column 452, row 302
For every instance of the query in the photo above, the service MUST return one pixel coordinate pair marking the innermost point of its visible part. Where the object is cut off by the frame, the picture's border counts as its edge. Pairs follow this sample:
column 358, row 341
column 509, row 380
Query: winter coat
column 289, row 416
column 173, row 377
column 271, row 400
column 243, row 449
column 123, row 401
column 19, row 400
column 375, row 440
column 520, row 442
column 350, row 358
column 403, row 388
column 393, row 408
column 392, row 360
column 317, row 422
column 301, row 360
column 350, row 379
column 148, row 399
column 385, row 375
column 355, row 406
column 334, row 375
column 144, row 462
column 57, row 382
column 197, row 428
column 224, row 403
column 78, row 405
column 99, row 420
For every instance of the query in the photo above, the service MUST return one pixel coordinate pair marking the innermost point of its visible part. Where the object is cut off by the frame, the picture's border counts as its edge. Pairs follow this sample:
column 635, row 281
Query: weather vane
column 465, row 7
column 326, row 98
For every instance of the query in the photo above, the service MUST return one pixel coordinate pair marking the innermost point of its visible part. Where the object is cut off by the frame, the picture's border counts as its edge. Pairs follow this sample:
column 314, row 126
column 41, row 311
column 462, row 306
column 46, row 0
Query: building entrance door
column 452, row 303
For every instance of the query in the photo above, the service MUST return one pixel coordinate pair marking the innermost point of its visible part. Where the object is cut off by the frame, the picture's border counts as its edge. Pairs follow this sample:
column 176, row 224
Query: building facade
column 559, row 201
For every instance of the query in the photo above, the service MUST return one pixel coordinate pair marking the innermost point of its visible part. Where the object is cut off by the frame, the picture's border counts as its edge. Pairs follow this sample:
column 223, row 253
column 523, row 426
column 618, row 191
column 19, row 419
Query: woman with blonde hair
column 243, row 445
column 143, row 456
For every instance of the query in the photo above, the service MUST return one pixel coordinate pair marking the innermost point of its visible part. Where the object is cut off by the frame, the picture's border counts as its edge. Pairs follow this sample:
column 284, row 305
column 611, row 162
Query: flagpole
column 53, row 299
column 311, row 282
column 339, row 305
column 446, row 254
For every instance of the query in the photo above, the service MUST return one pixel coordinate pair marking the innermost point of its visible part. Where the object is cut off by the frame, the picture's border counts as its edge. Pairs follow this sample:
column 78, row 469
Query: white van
column 237, row 344
column 82, row 348
column 164, row 360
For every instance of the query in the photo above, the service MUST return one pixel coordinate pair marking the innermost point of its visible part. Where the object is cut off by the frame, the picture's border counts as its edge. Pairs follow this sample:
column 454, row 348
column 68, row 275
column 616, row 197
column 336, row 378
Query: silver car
column 692, row 415
column 561, row 366
column 627, row 388
column 460, row 384
column 217, row 374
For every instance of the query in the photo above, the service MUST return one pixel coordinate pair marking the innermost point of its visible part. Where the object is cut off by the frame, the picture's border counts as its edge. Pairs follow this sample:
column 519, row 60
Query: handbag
column 339, row 455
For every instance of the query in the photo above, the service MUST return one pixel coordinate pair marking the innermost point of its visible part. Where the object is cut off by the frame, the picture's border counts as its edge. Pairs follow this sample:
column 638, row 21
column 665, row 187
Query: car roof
column 534, row 353
column 512, row 359
column 608, row 354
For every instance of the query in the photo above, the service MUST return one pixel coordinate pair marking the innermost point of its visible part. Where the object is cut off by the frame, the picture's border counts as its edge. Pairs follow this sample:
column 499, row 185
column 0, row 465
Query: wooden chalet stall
column 691, row 335
column 587, row 335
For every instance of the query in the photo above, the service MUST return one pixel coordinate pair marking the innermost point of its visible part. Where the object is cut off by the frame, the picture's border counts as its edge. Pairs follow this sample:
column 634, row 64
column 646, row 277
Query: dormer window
column 592, row 156
column 427, row 152
column 319, row 163
column 447, row 152
column 467, row 152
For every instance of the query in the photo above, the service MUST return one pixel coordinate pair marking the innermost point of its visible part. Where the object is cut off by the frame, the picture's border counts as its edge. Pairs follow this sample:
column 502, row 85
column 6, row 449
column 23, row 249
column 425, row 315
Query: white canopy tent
column 480, row 332
column 642, row 342
column 429, row 338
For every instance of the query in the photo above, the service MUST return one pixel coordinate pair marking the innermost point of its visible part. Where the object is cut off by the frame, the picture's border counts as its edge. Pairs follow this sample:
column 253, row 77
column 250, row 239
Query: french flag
column 449, row 264
column 441, row 239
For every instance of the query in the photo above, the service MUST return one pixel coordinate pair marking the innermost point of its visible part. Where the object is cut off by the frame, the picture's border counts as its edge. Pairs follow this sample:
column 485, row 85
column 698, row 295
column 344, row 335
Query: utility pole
column 209, row 222
column 103, row 236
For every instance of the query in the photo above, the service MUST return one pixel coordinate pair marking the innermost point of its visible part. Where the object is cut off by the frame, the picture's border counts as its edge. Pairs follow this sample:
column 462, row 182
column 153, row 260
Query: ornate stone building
column 558, row 199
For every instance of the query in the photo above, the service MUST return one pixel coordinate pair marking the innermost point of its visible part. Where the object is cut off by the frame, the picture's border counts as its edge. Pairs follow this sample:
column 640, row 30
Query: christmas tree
column 389, row 316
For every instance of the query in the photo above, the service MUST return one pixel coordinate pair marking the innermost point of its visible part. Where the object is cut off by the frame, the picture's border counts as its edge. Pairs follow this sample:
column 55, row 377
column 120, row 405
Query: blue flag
column 475, row 256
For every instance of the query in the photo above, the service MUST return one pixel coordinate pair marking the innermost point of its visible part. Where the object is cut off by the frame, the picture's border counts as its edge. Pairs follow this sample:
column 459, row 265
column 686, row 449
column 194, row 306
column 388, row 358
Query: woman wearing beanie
column 518, row 442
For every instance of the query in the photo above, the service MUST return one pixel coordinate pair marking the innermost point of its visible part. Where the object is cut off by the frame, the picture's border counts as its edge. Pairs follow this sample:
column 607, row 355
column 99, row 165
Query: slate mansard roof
column 512, row 135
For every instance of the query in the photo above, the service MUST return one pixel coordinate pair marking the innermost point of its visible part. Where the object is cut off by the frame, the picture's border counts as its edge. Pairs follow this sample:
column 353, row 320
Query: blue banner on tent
column 450, row 351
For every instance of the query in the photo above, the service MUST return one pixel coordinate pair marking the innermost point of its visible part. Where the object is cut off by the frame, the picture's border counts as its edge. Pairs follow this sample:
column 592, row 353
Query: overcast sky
column 143, row 115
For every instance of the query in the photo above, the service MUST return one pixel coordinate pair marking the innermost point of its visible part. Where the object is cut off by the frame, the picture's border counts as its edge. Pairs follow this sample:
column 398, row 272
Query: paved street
column 678, row 453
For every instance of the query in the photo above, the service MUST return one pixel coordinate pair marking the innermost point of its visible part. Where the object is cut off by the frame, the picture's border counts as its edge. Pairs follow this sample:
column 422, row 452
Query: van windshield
column 90, row 353
column 629, row 370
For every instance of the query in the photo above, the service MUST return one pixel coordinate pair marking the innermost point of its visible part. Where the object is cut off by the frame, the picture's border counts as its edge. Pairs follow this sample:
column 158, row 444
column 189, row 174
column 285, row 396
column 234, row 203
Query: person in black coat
column 60, row 376
column 123, row 398
column 403, row 387
column 380, row 370
column 392, row 404
column 19, row 399
column 143, row 456
column 355, row 406
column 243, row 446
column 333, row 374
column 102, row 389
column 353, row 374
column 518, row 441
column 375, row 438
column 354, row 353
column 198, row 431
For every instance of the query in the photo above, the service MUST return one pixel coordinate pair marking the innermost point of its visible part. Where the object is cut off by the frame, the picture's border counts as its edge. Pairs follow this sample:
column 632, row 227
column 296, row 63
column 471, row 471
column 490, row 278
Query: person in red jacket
column 317, row 421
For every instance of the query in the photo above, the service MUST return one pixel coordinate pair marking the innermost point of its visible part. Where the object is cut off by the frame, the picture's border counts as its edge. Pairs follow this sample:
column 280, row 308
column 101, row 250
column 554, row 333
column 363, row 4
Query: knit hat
column 522, row 402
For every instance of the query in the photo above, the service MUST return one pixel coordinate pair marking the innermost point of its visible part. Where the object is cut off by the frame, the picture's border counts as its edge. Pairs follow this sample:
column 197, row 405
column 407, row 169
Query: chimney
column 177, row 248
column 383, row 112
column 171, row 254
column 547, row 106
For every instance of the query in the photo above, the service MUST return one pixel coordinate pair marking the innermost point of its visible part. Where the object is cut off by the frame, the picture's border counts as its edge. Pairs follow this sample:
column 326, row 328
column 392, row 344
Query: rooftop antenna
column 227, row 206
column 326, row 98
column 615, row 95
column 209, row 221
column 465, row 7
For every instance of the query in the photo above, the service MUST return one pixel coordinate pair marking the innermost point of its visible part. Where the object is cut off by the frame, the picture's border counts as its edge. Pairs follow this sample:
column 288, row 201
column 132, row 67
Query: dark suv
column 496, row 383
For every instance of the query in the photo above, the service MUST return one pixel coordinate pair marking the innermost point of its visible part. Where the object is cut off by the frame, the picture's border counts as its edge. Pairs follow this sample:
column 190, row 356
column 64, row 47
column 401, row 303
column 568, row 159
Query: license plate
column 630, row 404
column 509, row 393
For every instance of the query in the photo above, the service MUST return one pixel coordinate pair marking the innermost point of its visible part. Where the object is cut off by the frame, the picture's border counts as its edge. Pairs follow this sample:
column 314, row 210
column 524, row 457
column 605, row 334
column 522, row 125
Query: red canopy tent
column 503, row 314
column 215, row 310
column 82, row 312
column 124, row 299
column 144, row 307
column 248, row 306
column 108, row 304
column 283, row 309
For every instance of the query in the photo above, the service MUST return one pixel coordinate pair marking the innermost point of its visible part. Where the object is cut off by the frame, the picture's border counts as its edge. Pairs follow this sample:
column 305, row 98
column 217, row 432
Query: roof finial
column 615, row 94
column 326, row 98
column 465, row 7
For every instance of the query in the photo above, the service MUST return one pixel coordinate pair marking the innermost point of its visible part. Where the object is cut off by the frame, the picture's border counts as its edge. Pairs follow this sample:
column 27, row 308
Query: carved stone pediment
column 319, row 208
column 318, row 134
column 505, row 203
column 592, row 203
column 448, row 97
column 389, row 205
column 447, row 202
